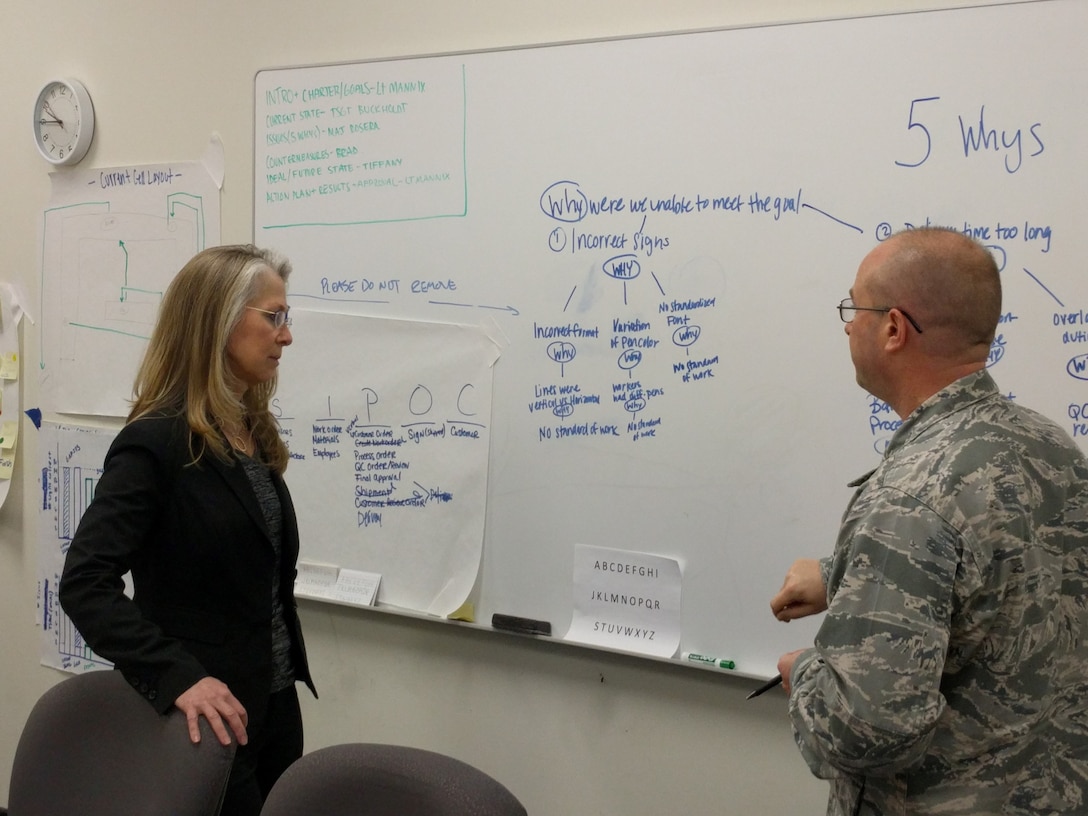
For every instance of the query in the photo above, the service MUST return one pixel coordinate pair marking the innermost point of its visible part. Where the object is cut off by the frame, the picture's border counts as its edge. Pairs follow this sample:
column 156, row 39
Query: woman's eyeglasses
column 280, row 318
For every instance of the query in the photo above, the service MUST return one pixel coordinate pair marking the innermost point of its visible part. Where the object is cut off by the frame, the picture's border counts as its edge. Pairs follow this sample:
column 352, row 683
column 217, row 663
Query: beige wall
column 569, row 730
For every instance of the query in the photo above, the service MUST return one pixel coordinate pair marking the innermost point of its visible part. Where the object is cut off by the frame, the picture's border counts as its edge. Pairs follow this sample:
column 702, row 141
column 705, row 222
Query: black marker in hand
column 770, row 684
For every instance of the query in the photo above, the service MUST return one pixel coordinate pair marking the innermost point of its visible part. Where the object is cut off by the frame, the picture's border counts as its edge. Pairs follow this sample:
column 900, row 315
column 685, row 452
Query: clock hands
column 56, row 120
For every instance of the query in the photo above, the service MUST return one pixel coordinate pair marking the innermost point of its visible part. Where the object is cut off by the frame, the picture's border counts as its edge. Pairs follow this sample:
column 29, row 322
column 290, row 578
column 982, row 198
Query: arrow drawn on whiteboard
column 807, row 206
column 571, row 297
column 510, row 309
column 1043, row 285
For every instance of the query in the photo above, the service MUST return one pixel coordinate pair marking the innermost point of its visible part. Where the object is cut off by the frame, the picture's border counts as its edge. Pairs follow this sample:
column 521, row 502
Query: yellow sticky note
column 465, row 612
column 9, row 366
column 7, row 466
column 9, row 433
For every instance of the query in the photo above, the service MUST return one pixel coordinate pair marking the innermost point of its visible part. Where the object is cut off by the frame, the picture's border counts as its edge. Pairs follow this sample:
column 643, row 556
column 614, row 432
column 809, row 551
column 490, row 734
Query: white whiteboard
column 675, row 378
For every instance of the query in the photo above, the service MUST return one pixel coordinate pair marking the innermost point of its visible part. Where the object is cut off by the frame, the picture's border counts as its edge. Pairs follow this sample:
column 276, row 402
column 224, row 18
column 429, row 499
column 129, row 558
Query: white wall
column 570, row 731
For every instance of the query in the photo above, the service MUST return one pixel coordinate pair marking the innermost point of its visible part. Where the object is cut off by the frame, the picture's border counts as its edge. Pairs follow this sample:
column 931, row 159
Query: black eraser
column 525, row 626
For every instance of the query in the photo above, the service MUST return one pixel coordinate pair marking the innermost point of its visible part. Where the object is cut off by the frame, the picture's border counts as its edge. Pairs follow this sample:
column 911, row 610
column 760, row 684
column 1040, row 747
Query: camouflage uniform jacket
column 950, row 674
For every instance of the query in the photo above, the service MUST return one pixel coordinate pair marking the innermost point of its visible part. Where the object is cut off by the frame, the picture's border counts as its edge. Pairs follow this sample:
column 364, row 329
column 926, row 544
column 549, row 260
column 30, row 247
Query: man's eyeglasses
column 280, row 319
column 847, row 309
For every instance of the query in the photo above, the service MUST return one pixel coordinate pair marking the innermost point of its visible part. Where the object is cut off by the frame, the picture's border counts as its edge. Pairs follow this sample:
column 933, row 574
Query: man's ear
column 895, row 331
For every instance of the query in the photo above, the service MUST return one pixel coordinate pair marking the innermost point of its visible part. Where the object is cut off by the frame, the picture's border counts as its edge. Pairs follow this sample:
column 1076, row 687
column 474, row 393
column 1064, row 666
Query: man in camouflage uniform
column 950, row 674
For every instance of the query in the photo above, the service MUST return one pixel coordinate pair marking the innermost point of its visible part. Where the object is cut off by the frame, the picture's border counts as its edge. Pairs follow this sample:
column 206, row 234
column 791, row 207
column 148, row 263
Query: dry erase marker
column 704, row 660
column 524, row 626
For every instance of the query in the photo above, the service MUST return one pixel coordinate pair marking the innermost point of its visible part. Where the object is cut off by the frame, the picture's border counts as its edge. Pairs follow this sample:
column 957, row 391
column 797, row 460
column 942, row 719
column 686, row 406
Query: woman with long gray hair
column 192, row 502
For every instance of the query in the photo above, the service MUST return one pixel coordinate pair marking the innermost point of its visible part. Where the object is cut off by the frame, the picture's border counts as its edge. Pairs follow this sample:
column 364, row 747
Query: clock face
column 63, row 122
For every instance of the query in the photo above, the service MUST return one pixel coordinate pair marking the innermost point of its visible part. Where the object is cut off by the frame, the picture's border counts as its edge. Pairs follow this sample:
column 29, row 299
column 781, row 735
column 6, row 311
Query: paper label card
column 357, row 587
column 626, row 600
column 329, row 582
column 315, row 580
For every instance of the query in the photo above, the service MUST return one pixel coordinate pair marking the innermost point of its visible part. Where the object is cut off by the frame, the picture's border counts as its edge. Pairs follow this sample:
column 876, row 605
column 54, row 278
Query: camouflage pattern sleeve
column 866, row 699
column 950, row 674
column 825, row 571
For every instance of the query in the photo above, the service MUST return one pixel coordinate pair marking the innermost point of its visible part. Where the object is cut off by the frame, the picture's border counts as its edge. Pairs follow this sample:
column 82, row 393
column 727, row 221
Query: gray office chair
column 93, row 746
column 370, row 779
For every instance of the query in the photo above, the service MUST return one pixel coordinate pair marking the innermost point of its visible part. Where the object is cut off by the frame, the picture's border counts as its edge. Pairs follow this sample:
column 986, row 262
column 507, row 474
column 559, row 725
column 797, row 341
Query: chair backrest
column 92, row 745
column 371, row 779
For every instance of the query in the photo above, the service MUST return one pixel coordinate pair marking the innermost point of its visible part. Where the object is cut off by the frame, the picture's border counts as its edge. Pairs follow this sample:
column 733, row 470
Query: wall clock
column 63, row 121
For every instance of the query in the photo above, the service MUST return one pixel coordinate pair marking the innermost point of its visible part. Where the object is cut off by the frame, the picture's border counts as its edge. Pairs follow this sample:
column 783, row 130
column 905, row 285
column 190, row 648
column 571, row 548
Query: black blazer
column 195, row 540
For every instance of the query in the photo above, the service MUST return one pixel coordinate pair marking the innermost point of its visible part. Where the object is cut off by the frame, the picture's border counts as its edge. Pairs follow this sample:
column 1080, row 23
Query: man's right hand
column 803, row 592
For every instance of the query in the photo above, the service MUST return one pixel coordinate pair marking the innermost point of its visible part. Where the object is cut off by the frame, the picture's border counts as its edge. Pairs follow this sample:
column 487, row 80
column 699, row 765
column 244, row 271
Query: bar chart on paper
column 71, row 466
